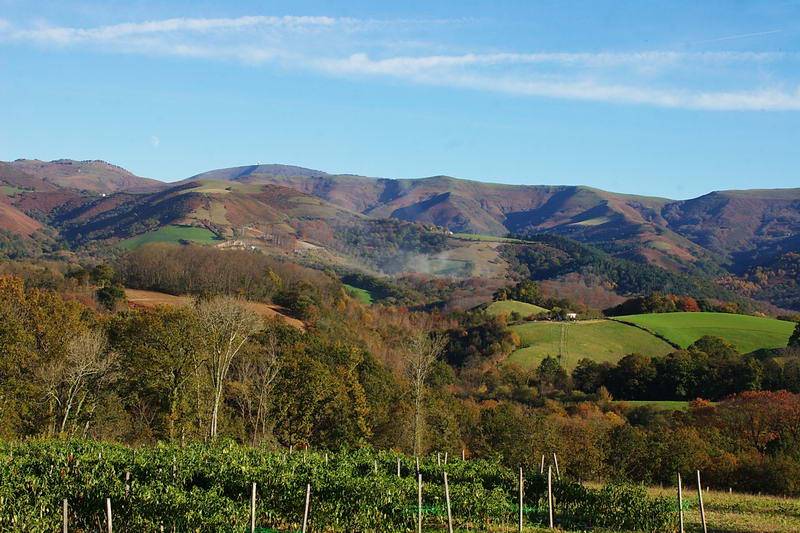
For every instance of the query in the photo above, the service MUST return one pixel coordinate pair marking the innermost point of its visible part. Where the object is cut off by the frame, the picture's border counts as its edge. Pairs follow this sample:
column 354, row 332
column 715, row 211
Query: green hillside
column 746, row 333
column 600, row 340
column 362, row 295
column 506, row 307
column 171, row 234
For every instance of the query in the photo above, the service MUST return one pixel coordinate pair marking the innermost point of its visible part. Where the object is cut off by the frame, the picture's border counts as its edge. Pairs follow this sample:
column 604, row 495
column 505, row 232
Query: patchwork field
column 171, row 234
column 506, row 307
column 746, row 333
column 600, row 340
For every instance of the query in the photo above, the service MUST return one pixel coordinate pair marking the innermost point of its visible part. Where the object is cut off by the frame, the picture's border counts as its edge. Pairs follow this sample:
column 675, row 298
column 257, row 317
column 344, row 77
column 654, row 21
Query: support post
column 447, row 499
column 521, row 492
column 550, row 494
column 419, row 502
column 308, row 504
column 463, row 454
column 541, row 469
column 253, row 510
column 700, row 498
column 108, row 516
column 555, row 462
column 680, row 504
column 398, row 467
column 65, row 507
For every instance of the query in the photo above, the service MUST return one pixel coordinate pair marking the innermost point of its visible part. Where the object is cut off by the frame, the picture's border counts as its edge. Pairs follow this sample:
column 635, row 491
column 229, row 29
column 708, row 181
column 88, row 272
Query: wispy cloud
column 739, row 36
column 348, row 47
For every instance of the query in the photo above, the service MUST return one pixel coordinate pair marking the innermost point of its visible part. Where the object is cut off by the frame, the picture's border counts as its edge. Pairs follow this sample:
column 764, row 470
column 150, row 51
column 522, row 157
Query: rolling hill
column 506, row 307
column 94, row 176
column 599, row 340
column 746, row 333
column 738, row 240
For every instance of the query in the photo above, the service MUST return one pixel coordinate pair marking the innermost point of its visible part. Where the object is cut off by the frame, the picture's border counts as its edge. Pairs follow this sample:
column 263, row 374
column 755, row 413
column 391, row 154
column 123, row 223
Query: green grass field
column 661, row 405
column 10, row 190
column 746, row 333
column 737, row 513
column 362, row 295
column 600, row 340
column 506, row 307
column 171, row 234
column 484, row 238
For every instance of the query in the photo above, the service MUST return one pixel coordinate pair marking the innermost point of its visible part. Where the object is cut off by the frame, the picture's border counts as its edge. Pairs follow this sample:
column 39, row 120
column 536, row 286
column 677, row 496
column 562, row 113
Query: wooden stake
column 65, row 519
column 417, row 459
column 398, row 467
column 555, row 462
column 521, row 489
column 438, row 459
column 550, row 493
column 702, row 509
column 463, row 454
column 445, row 457
column 127, row 484
column 447, row 499
column 680, row 503
column 253, row 510
column 308, row 503
column 419, row 503
column 108, row 515
column 541, row 469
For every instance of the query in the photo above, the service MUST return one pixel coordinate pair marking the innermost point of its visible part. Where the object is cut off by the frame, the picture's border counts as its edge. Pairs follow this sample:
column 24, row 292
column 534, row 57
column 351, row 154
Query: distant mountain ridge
column 720, row 233
column 676, row 234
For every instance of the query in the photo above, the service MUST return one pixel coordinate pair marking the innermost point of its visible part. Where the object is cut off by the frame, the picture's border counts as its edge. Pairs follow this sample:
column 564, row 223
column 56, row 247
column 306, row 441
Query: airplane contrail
column 739, row 36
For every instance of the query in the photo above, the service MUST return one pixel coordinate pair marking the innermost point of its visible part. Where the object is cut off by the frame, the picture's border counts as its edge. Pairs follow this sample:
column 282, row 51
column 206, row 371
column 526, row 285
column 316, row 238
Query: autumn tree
column 421, row 351
column 71, row 382
column 254, row 375
column 794, row 340
column 226, row 324
column 161, row 350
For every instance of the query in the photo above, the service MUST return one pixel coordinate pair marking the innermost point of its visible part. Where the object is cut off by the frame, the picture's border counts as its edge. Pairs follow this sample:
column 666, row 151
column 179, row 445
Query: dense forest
column 79, row 362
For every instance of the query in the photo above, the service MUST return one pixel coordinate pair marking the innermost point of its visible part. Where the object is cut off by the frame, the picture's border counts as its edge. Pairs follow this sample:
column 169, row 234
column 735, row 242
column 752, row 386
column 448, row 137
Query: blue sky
column 659, row 98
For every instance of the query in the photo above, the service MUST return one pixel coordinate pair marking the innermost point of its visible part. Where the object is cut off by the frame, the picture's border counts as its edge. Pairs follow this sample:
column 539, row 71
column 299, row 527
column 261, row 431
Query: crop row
column 207, row 488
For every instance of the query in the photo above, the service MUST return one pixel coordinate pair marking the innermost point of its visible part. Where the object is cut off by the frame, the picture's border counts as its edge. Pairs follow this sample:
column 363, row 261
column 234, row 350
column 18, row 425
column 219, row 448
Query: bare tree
column 67, row 381
column 255, row 375
column 226, row 324
column 420, row 353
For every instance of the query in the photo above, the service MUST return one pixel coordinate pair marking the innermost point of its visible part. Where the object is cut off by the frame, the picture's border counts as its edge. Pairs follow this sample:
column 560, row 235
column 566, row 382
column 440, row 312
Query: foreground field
column 746, row 333
column 600, row 340
column 738, row 513
column 208, row 488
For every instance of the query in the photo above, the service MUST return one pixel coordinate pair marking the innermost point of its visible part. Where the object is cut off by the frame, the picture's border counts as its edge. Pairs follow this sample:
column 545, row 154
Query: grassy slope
column 736, row 513
column 506, row 307
column 662, row 405
column 362, row 295
column 140, row 298
column 600, row 340
column 172, row 234
column 747, row 333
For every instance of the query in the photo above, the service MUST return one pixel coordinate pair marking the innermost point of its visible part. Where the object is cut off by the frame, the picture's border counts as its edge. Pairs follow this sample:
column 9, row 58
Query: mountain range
column 725, row 235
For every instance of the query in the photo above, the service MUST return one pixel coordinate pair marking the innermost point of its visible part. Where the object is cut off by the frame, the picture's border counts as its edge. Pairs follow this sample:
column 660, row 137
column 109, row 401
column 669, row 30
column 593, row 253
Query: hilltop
column 734, row 241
